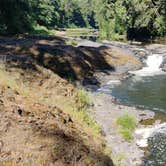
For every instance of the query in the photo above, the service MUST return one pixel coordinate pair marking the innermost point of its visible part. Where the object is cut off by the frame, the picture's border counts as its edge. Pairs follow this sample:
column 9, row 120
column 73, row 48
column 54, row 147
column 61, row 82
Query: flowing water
column 153, row 66
column 147, row 90
column 144, row 92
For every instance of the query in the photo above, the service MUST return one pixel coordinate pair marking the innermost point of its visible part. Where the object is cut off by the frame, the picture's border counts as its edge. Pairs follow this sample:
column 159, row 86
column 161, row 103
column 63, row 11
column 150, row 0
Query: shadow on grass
column 69, row 147
column 70, row 63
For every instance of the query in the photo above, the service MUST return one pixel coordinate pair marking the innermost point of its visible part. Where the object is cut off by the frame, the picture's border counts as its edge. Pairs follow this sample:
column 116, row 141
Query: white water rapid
column 153, row 66
column 148, row 132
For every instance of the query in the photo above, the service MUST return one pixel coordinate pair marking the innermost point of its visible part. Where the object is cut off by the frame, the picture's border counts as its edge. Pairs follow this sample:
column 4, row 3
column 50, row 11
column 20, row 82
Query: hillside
column 41, row 118
column 44, row 117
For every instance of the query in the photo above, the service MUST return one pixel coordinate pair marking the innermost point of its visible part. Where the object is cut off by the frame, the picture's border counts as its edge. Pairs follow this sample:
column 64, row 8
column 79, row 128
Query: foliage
column 84, row 103
column 42, row 30
column 14, row 16
column 128, row 124
column 113, row 17
column 83, row 99
column 118, row 159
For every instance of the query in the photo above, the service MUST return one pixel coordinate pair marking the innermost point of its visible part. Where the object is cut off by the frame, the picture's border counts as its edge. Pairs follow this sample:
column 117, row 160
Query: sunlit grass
column 84, row 99
column 128, row 124
column 42, row 30
column 10, row 81
column 71, row 42
column 117, row 159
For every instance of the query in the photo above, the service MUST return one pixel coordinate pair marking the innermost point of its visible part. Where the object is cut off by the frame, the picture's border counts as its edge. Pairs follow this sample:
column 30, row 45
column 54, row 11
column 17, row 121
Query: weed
column 126, row 134
column 89, row 121
column 117, row 160
column 42, row 30
column 71, row 42
column 84, row 99
column 128, row 124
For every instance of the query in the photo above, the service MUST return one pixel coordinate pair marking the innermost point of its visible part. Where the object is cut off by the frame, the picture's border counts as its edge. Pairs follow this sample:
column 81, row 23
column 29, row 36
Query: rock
column 163, row 65
column 149, row 132
column 20, row 111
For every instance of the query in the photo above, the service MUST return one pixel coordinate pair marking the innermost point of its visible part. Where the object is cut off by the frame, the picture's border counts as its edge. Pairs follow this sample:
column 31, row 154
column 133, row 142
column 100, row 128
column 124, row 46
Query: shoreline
column 106, row 110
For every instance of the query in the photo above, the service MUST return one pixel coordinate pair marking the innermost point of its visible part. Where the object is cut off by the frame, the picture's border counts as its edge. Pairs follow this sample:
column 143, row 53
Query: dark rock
column 20, row 111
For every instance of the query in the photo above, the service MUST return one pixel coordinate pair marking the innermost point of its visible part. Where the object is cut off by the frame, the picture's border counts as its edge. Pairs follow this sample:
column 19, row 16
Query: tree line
column 111, row 17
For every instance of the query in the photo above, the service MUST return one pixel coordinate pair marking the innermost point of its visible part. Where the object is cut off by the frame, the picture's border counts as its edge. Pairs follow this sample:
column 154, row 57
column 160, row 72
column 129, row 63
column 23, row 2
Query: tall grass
column 84, row 103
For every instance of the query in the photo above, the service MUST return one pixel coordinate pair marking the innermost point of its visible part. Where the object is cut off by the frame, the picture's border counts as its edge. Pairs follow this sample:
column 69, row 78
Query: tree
column 14, row 15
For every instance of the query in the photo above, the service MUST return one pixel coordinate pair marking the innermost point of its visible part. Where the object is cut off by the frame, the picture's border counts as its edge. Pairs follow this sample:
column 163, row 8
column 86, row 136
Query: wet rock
column 163, row 66
column 157, row 146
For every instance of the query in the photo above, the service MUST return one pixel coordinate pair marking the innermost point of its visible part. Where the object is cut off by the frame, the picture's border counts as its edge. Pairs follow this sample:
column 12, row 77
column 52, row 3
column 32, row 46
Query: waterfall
column 153, row 66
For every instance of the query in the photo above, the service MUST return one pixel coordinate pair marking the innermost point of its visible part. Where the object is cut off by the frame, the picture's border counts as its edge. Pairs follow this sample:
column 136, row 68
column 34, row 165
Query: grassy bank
column 54, row 115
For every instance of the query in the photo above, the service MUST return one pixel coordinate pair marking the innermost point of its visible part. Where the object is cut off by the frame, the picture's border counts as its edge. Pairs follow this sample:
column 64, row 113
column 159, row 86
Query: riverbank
column 41, row 77
column 107, row 110
column 44, row 118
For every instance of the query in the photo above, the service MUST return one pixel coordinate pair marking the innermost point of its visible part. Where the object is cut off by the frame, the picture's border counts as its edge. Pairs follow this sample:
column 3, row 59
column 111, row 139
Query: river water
column 147, row 88
column 144, row 92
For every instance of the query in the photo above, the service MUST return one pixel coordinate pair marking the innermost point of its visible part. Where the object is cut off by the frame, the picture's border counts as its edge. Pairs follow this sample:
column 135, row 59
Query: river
column 144, row 92
column 147, row 89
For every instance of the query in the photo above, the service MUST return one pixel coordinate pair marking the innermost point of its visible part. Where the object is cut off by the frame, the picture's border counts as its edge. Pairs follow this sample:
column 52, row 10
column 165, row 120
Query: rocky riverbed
column 107, row 109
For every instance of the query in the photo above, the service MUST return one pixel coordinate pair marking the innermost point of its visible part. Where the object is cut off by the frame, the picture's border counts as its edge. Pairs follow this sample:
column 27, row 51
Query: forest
column 111, row 17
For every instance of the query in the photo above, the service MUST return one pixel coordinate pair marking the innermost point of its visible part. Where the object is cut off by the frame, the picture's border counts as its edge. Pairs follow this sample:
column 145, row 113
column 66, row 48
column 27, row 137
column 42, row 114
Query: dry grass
column 10, row 81
column 74, row 105
column 61, row 109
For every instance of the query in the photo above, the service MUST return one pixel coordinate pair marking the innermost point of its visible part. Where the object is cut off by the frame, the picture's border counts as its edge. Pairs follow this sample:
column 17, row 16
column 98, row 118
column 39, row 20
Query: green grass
column 88, row 120
column 42, row 30
column 128, row 124
column 117, row 160
column 84, row 99
column 71, row 42
column 126, row 134
column 84, row 102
